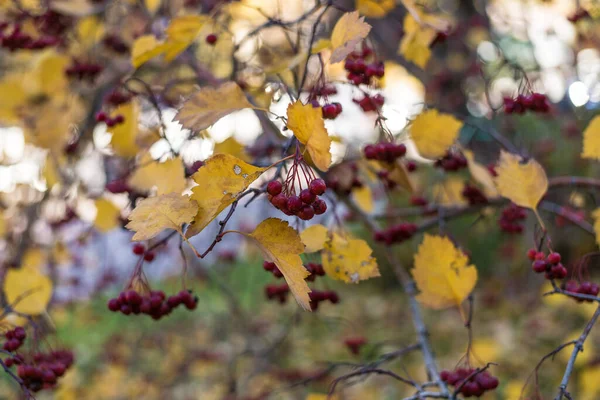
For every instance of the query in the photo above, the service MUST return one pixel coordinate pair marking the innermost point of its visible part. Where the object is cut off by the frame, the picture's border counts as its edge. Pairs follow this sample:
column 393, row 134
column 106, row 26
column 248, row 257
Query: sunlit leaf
column 314, row 238
column 442, row 273
column 107, row 215
column 434, row 132
column 591, row 139
column 124, row 135
column 27, row 291
column 363, row 196
column 306, row 122
column 144, row 49
column 350, row 29
column 375, row 8
column 349, row 260
column 522, row 182
column 167, row 176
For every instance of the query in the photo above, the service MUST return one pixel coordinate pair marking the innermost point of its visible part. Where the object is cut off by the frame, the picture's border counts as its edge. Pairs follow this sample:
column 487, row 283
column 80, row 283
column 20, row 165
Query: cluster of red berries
column 360, row 71
column 317, row 296
column 419, row 201
column 535, row 102
column 82, row 70
column 139, row 249
column 510, row 219
column 588, row 288
column 475, row 386
column 52, row 23
column 474, row 195
column 396, row 233
column 211, row 39
column 305, row 206
column 14, row 339
column 154, row 304
column 411, row 166
column 117, row 97
column 354, row 344
column 331, row 110
column 315, row 270
column 118, row 186
column 271, row 267
column 45, row 370
column 118, row 119
column 384, row 151
column 550, row 265
column 326, row 89
column 279, row 292
column 370, row 103
column 451, row 162
column 18, row 40
column 115, row 43
column 580, row 14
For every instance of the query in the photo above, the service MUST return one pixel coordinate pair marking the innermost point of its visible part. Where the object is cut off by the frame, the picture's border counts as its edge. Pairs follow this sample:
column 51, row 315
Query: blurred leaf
column 232, row 147
column 347, row 33
column 209, row 105
column 348, row 259
column 107, row 215
column 448, row 193
column 434, row 132
column 523, row 183
column 152, row 5
column 220, row 181
column 281, row 244
column 375, row 8
column 442, row 273
column 124, row 135
column 27, row 290
column 306, row 122
column 415, row 44
column 363, row 197
column 314, row 238
column 481, row 174
column 144, row 49
column 591, row 139
column 155, row 214
column 167, row 176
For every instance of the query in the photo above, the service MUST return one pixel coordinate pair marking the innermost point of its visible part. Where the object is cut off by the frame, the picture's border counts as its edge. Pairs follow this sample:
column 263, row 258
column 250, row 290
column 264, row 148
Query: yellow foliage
column 523, row 183
column 591, row 139
column 144, row 49
column 314, row 238
column 348, row 259
column 596, row 215
column 415, row 42
column 107, row 215
column 27, row 290
column 481, row 174
column 232, row 147
column 208, row 105
column 449, row 192
column 152, row 5
column 155, row 214
column 442, row 273
column 375, row 8
column 347, row 33
column 33, row 258
column 363, row 197
column 306, row 122
column 167, row 177
column 434, row 132
column 124, row 135
column 220, row 181
column 281, row 244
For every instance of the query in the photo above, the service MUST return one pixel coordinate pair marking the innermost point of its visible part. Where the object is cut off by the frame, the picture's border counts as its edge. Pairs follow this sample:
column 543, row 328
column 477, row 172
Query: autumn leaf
column 167, row 176
column 220, row 181
column 522, row 182
column 415, row 44
column 144, row 49
column 596, row 216
column 350, row 29
column 591, row 139
column 481, row 174
column 209, row 105
column 397, row 173
column 74, row 7
column 434, row 132
column 281, row 244
column 442, row 273
column 107, row 215
column 348, row 259
column 232, row 147
column 27, row 290
column 448, row 193
column 314, row 238
column 375, row 8
column 155, row 214
column 124, row 135
column 152, row 5
column 363, row 197
column 181, row 32
column 306, row 122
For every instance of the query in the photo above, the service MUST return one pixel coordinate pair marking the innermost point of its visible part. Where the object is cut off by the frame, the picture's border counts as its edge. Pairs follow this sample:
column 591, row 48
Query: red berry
column 211, row 39
column 138, row 249
column 279, row 201
column 294, row 204
column 274, row 188
column 149, row 256
column 539, row 266
column 114, row 305
column 101, row 116
column 553, row 258
column 558, row 271
column 307, row 196
column 306, row 213
column 531, row 253
column 319, row 206
column 370, row 152
column 317, row 186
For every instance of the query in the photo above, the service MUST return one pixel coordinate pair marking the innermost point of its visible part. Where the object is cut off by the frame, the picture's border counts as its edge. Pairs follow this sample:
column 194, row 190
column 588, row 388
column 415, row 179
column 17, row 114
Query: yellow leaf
column 481, row 174
column 363, row 197
column 13, row 96
column 591, row 139
column 107, row 215
column 144, row 49
column 209, row 105
column 89, row 31
column 442, row 273
column 220, row 181
column 232, row 147
column 27, row 291
column 347, row 33
column 167, row 177
column 152, row 5
column 33, row 258
column 2, row 224
column 320, row 45
column 449, row 192
column 308, row 126
column 523, row 183
column 415, row 42
column 314, row 238
column 319, row 396
column 76, row 8
column 124, row 135
column 399, row 174
column 375, row 8
column 348, row 259
column 281, row 244
column 434, row 132
column 596, row 216
column 154, row 214
column 61, row 253
column 181, row 32
column 47, row 76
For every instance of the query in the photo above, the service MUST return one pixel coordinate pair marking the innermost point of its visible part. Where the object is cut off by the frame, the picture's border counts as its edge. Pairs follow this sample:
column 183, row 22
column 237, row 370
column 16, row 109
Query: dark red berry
column 138, row 249
column 274, row 188
column 307, row 196
column 317, row 186
column 211, row 39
